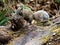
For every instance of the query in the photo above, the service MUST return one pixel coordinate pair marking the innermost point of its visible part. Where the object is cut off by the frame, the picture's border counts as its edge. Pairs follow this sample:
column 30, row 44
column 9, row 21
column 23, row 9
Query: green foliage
column 58, row 1
column 3, row 19
column 6, row 1
column 1, row 44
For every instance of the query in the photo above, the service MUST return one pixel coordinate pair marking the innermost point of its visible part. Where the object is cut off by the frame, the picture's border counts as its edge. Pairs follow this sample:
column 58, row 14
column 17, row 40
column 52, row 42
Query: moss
column 56, row 29
column 46, row 38
column 10, row 44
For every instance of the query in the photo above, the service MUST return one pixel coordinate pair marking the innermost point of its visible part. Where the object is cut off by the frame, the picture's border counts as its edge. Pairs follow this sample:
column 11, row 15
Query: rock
column 41, row 15
column 33, row 36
